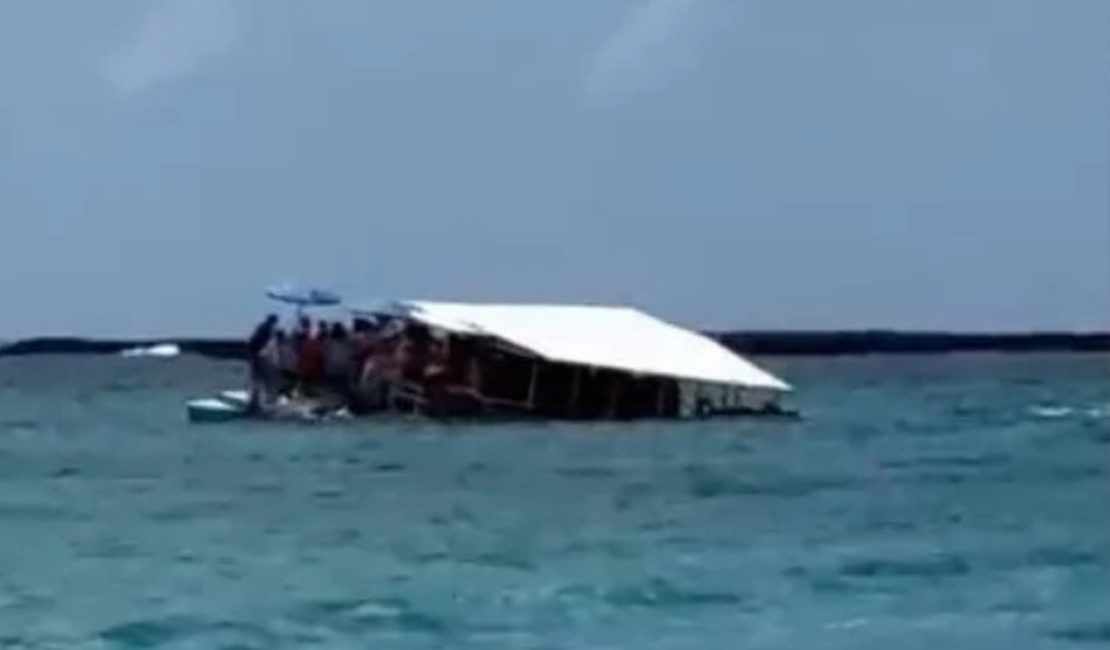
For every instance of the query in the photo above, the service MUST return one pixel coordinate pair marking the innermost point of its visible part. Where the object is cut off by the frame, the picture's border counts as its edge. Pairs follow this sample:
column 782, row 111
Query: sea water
column 924, row 502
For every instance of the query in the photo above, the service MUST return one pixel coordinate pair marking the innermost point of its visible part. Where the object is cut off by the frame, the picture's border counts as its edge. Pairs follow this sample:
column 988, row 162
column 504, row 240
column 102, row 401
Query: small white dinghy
column 227, row 406
column 231, row 405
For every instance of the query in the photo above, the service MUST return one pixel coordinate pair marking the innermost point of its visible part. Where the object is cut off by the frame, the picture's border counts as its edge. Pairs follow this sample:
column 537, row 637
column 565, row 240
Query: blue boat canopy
column 303, row 296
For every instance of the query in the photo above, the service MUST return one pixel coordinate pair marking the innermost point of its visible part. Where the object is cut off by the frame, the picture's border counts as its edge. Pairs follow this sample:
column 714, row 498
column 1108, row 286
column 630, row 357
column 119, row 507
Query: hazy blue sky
column 748, row 163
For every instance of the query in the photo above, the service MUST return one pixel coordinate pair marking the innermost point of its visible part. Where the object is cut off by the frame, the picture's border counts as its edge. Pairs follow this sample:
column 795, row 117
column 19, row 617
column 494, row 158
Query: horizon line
column 759, row 331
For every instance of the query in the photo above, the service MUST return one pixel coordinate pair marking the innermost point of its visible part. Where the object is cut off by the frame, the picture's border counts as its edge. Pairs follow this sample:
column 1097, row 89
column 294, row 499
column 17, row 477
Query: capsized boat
column 572, row 362
column 596, row 362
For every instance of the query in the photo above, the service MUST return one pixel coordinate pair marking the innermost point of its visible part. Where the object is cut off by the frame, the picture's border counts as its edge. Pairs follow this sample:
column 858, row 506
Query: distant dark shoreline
column 764, row 343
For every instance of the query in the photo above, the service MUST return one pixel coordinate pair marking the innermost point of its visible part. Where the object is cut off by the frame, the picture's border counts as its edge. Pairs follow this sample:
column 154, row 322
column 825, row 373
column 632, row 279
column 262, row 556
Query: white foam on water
column 1056, row 412
column 162, row 350
column 1051, row 412
column 1099, row 412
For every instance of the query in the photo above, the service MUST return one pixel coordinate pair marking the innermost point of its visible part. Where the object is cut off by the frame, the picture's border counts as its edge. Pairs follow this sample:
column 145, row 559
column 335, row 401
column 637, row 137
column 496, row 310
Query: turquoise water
column 962, row 501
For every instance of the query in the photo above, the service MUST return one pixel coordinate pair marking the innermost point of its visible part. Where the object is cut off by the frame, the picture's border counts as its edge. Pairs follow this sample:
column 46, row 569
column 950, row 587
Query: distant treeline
column 215, row 348
column 835, row 343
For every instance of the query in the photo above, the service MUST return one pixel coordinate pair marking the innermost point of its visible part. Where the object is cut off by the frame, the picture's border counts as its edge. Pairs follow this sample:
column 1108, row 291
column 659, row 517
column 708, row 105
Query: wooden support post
column 532, row 386
column 575, row 387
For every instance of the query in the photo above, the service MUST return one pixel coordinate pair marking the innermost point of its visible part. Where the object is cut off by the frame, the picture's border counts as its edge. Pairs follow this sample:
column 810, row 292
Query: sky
column 786, row 164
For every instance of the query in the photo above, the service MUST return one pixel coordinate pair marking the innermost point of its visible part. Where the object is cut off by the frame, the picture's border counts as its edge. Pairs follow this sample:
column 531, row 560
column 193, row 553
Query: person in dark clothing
column 255, row 345
column 261, row 336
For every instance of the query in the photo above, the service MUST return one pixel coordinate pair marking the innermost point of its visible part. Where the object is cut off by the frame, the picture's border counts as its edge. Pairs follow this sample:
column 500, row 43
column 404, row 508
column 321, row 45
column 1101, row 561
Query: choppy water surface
column 961, row 501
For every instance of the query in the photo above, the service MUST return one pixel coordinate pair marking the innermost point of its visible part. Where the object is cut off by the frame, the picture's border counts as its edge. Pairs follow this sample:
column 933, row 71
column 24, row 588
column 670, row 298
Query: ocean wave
column 925, row 566
column 369, row 615
column 1085, row 633
column 948, row 461
column 706, row 483
column 879, row 574
column 652, row 593
column 159, row 632
column 1059, row 411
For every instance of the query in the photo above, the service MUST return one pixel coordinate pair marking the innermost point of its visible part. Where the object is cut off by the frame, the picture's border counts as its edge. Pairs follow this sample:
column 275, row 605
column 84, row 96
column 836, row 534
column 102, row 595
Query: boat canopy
column 303, row 296
column 616, row 338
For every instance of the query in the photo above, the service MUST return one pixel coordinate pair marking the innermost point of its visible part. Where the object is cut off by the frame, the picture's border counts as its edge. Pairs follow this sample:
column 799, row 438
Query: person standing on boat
column 287, row 364
column 258, row 340
column 272, row 384
column 303, row 327
column 310, row 360
column 338, row 359
column 255, row 345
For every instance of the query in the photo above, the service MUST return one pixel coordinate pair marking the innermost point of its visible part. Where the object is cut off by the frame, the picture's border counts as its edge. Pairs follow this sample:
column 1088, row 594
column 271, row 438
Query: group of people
column 363, row 367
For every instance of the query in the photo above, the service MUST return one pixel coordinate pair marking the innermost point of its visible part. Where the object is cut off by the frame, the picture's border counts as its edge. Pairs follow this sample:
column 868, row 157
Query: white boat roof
column 617, row 338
